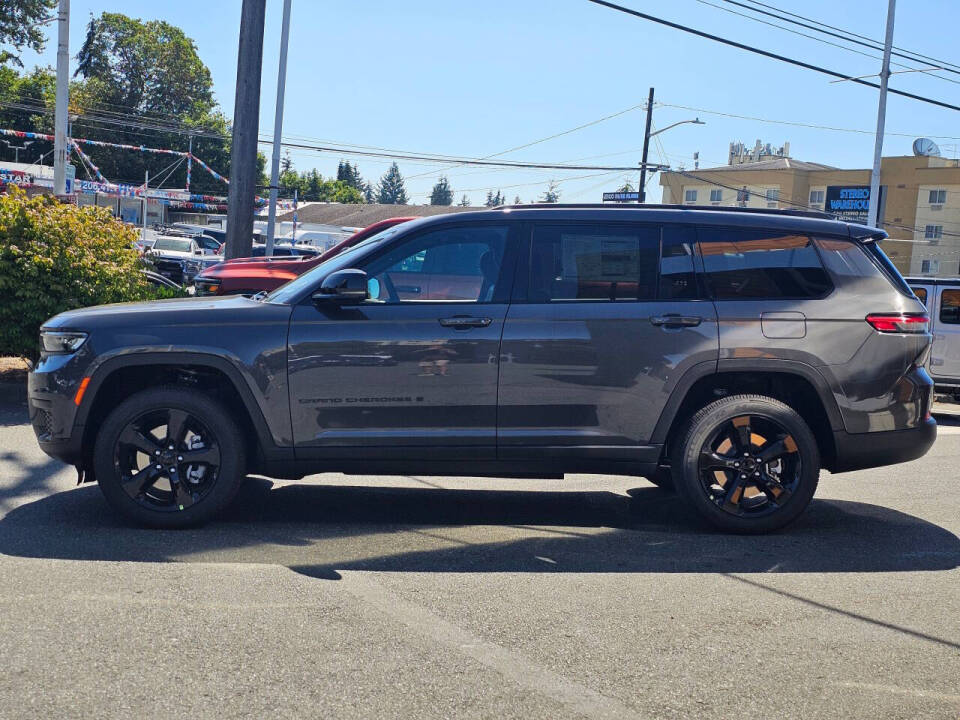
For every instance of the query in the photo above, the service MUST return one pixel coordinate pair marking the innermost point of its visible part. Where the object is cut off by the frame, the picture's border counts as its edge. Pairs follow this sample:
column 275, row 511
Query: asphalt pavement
column 401, row 597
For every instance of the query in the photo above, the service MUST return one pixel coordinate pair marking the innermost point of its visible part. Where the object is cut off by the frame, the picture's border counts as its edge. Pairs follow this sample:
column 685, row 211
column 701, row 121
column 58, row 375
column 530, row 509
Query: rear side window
column 593, row 262
column 950, row 307
column 678, row 280
column 889, row 269
column 745, row 265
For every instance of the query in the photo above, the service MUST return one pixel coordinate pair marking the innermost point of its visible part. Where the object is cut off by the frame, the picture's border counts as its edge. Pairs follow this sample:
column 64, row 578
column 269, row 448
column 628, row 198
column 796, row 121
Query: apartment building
column 919, row 202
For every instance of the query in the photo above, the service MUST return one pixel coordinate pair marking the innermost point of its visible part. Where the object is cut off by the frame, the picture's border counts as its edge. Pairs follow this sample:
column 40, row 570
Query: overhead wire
column 769, row 54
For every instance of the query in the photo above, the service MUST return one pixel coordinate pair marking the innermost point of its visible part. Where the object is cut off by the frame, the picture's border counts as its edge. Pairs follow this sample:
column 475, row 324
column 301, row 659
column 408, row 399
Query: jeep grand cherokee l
column 732, row 354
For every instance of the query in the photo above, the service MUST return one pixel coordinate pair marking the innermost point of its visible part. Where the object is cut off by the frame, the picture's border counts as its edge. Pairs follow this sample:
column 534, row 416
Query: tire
column 720, row 452
column 179, row 487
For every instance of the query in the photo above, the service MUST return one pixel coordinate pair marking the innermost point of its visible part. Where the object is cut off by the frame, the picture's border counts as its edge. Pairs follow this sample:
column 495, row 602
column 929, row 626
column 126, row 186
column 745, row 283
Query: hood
column 182, row 312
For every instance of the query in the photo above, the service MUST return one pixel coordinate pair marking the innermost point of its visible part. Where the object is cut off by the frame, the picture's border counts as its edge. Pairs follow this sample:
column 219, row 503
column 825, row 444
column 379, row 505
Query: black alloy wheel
column 167, row 460
column 750, row 466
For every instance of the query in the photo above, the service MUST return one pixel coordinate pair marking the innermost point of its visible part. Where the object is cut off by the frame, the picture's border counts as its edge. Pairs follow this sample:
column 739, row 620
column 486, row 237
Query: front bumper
column 858, row 451
column 51, row 388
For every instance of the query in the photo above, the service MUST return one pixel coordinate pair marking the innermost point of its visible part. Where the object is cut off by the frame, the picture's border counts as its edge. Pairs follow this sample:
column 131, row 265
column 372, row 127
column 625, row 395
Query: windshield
column 175, row 244
column 292, row 290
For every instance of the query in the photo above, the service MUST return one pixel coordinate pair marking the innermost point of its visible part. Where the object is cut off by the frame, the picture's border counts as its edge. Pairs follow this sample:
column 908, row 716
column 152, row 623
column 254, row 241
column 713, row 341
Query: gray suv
column 725, row 353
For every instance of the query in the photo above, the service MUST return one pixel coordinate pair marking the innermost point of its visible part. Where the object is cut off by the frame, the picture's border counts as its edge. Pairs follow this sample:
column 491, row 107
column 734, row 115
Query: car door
column 597, row 339
column 412, row 372
column 945, row 351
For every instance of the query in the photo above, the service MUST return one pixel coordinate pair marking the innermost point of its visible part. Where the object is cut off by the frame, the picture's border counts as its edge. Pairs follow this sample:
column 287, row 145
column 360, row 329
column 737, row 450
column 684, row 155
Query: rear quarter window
column 746, row 265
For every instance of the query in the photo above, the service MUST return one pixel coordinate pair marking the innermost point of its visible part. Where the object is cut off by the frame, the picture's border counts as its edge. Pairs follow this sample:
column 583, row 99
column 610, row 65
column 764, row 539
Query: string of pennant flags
column 177, row 198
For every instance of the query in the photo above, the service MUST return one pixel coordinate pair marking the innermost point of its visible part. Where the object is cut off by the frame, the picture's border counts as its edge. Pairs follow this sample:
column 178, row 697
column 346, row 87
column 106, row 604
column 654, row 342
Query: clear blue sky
column 473, row 79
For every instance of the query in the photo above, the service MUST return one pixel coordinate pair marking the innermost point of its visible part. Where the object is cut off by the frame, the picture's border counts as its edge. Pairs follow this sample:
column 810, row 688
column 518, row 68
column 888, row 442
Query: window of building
column 930, row 267
column 933, row 232
column 743, row 195
column 938, row 197
column 746, row 265
column 816, row 197
column 453, row 264
column 593, row 262
column 690, row 196
column 678, row 281
column 950, row 307
column 716, row 195
column 921, row 294
column 773, row 194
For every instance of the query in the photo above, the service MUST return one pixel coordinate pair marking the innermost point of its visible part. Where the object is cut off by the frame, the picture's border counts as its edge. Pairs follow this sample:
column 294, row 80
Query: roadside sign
column 621, row 197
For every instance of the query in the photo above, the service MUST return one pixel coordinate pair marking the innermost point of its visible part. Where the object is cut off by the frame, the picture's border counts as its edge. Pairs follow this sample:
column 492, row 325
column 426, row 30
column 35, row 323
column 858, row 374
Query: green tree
column 391, row 190
column 551, row 194
column 517, row 200
column 626, row 187
column 286, row 163
column 150, row 73
column 464, row 201
column 21, row 27
column 441, row 194
column 368, row 196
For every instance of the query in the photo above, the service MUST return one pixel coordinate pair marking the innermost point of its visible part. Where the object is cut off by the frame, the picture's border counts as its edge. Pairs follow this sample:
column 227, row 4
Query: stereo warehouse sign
column 850, row 203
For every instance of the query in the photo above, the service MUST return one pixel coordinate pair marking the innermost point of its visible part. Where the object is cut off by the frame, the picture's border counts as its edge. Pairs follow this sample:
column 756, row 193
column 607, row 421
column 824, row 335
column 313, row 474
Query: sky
column 475, row 79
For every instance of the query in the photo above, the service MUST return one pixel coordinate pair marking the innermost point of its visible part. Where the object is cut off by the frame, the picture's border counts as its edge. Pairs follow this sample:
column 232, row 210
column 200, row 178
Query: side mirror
column 344, row 287
column 198, row 251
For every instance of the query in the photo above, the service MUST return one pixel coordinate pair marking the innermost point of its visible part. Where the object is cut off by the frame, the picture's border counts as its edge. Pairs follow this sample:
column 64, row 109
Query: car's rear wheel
column 747, row 463
column 169, row 458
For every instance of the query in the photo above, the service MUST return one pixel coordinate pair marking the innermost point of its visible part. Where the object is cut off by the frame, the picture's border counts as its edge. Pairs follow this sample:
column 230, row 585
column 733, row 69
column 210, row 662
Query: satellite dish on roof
column 925, row 147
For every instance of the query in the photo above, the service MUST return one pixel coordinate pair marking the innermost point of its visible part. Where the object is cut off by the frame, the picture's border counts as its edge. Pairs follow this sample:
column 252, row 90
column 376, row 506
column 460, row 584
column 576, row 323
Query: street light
column 642, row 195
column 17, row 148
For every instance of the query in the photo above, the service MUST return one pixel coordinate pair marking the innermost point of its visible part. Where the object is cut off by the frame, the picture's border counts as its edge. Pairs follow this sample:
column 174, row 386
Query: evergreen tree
column 286, row 163
column 441, row 194
column 344, row 172
column 552, row 193
column 517, row 200
column 368, row 195
column 391, row 190
column 489, row 201
column 464, row 201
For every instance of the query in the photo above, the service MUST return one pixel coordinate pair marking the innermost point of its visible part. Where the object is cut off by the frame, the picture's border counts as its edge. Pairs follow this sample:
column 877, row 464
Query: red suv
column 248, row 276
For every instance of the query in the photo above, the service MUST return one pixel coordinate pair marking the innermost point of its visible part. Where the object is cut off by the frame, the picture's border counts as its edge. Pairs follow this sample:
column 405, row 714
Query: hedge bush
column 56, row 257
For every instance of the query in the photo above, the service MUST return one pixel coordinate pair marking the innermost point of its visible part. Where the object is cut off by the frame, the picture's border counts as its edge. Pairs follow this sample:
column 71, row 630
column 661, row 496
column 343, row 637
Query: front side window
column 743, row 265
column 457, row 264
column 690, row 196
column 950, row 307
column 585, row 262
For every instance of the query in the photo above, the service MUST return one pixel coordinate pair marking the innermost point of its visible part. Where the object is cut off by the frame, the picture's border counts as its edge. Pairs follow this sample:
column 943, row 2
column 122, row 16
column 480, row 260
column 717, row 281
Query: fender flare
column 758, row 366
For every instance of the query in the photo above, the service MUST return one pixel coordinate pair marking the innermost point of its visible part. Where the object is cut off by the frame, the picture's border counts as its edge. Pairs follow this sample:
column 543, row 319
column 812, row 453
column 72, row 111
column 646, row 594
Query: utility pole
column 874, row 216
column 60, row 146
column 246, row 109
column 277, row 127
column 642, row 195
column 146, row 185
column 189, row 161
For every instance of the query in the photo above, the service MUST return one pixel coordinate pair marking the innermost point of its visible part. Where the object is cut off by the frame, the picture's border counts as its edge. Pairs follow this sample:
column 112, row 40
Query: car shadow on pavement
column 320, row 529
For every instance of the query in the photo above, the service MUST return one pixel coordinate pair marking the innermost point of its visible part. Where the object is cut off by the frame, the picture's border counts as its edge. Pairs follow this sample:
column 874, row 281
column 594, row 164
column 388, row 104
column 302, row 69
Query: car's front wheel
column 747, row 463
column 168, row 458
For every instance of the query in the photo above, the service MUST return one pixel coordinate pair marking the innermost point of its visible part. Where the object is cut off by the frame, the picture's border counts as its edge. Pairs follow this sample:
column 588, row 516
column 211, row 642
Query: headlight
column 60, row 342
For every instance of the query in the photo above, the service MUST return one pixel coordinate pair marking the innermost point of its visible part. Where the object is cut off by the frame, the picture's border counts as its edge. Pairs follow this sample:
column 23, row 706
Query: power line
column 848, row 37
column 820, row 24
column 767, row 53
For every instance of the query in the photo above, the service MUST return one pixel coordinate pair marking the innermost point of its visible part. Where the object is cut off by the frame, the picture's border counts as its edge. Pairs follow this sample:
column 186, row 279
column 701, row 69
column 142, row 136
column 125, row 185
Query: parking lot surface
column 398, row 597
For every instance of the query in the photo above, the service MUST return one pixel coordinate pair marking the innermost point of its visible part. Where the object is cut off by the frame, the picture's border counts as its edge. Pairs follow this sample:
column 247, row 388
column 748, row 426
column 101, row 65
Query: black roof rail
column 653, row 206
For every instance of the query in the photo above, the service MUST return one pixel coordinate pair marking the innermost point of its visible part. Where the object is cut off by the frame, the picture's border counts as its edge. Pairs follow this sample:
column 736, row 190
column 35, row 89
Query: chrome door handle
column 676, row 321
column 461, row 322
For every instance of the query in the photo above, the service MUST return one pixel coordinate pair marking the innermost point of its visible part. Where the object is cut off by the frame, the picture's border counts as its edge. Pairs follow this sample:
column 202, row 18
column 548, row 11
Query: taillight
column 900, row 322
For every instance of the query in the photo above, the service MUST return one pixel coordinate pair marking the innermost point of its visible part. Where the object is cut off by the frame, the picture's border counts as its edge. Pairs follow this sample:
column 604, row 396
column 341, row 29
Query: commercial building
column 919, row 199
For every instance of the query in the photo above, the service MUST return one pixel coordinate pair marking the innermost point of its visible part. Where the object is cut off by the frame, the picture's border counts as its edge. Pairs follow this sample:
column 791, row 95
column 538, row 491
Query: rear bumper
column 857, row 451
